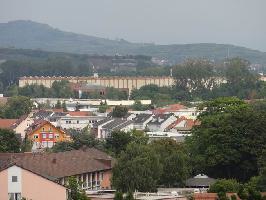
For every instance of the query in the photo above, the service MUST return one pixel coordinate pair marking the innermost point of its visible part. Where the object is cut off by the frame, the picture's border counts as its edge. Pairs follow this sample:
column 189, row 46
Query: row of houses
column 47, row 127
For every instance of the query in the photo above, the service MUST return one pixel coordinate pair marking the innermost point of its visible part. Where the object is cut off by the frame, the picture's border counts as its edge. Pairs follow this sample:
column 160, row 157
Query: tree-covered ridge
column 32, row 35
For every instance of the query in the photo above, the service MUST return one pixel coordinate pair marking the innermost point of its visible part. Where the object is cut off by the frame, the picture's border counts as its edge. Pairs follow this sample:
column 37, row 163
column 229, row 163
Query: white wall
column 14, row 187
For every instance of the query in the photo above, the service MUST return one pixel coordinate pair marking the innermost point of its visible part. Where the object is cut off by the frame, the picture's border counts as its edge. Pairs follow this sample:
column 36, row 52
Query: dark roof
column 96, row 124
column 140, row 118
column 123, row 125
column 114, row 123
column 198, row 181
column 42, row 114
column 58, row 165
column 159, row 119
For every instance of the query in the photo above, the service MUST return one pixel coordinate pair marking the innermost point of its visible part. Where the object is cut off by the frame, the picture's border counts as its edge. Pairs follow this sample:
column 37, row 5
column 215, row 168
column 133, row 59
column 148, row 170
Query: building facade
column 125, row 83
column 45, row 135
column 16, row 182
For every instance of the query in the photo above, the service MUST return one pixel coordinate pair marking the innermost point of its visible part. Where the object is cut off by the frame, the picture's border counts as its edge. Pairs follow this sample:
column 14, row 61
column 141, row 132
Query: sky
column 238, row 22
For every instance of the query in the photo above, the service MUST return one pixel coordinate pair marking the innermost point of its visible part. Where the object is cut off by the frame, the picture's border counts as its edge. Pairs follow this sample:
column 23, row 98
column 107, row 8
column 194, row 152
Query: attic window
column 14, row 179
column 42, row 129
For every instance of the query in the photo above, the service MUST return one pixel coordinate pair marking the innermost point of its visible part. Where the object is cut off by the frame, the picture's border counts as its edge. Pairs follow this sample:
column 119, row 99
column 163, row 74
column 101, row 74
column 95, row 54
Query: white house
column 161, row 122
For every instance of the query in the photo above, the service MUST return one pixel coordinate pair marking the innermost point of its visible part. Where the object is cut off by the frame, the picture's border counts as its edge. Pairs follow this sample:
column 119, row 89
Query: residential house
column 141, row 120
column 96, row 129
column 200, row 181
column 182, row 125
column 103, row 128
column 44, row 135
column 115, row 125
column 22, row 124
column 178, row 110
column 17, row 181
column 90, row 166
column 162, row 135
column 160, row 122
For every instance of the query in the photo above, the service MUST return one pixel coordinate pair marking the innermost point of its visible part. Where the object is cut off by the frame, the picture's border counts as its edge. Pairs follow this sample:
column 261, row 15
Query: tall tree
column 229, row 142
column 9, row 142
column 175, row 162
column 194, row 78
column 119, row 111
column 17, row 106
column 138, row 168
column 240, row 81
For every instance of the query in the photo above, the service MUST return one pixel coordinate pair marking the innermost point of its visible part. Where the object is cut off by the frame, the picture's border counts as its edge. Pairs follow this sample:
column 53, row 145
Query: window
column 44, row 135
column 51, row 136
column 42, row 129
column 50, row 129
column 36, row 136
column 56, row 136
column 50, row 144
column 77, row 121
column 14, row 196
column 44, row 144
column 14, row 179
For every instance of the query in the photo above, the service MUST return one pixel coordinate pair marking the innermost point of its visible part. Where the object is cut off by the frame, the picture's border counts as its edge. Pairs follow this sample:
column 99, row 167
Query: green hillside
column 32, row 35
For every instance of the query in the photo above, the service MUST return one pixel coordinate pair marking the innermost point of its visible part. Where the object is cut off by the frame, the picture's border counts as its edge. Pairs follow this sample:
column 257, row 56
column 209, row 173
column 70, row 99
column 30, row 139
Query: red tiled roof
column 169, row 108
column 7, row 123
column 188, row 124
column 205, row 196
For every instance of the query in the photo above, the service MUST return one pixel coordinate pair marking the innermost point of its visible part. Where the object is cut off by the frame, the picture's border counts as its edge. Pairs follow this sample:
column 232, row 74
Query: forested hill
column 32, row 35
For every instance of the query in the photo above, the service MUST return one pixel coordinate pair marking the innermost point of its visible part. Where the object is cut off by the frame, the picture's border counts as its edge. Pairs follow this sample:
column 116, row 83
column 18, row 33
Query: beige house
column 17, row 182
column 29, row 174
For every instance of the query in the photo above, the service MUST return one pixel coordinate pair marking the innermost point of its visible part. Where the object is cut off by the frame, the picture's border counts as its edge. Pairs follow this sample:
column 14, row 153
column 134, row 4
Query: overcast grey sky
column 239, row 22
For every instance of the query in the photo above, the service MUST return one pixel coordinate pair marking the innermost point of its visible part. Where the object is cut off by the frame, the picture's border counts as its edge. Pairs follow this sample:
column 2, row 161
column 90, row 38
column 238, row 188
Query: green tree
column 194, row 78
column 61, row 89
column 118, row 195
column 116, row 94
column 119, row 111
column 9, row 142
column 175, row 162
column 26, row 145
column 76, row 193
column 17, row 106
column 229, row 141
column 81, row 139
column 225, row 185
column 240, row 81
column 64, row 106
column 12, row 90
column 58, row 104
column 137, row 168
column 103, row 107
column 118, row 141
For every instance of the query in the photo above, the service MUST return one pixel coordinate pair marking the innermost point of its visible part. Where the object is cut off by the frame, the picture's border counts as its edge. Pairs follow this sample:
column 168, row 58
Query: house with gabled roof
column 90, row 166
column 161, row 122
column 17, row 181
column 44, row 134
column 141, row 121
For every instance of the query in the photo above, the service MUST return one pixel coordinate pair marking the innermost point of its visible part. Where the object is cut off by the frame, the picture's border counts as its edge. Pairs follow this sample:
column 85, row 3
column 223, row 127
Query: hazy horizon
column 235, row 22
